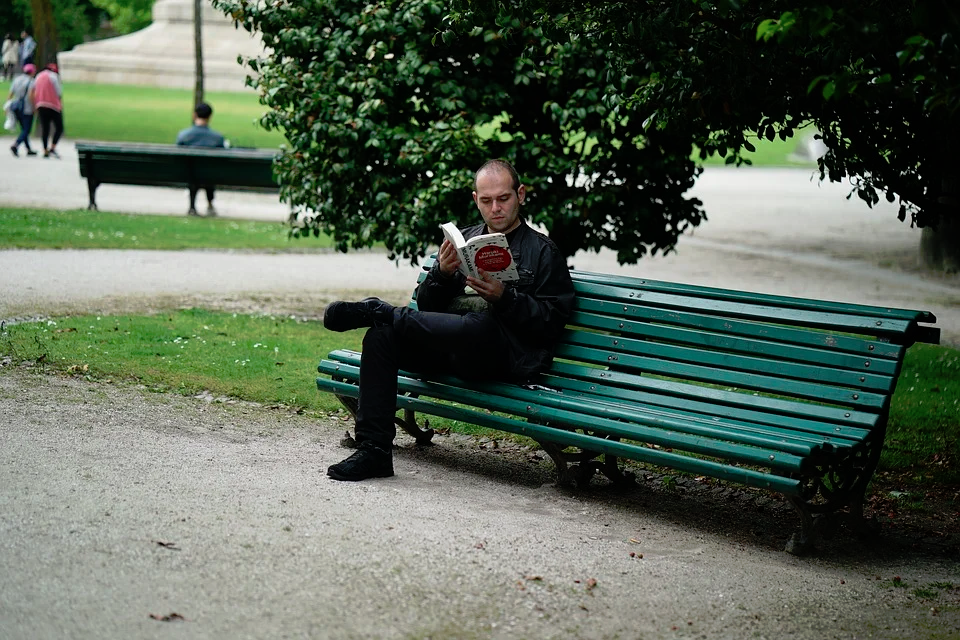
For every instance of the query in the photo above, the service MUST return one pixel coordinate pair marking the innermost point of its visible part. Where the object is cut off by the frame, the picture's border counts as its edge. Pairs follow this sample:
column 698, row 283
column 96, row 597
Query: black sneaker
column 369, row 312
column 13, row 150
column 192, row 212
column 31, row 152
column 369, row 461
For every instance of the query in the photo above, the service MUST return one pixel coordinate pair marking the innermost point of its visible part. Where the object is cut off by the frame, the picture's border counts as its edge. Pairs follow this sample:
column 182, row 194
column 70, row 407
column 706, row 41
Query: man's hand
column 490, row 289
column 449, row 260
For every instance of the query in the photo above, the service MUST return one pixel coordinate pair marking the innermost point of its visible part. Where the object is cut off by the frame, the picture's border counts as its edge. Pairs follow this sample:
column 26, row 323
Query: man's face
column 499, row 204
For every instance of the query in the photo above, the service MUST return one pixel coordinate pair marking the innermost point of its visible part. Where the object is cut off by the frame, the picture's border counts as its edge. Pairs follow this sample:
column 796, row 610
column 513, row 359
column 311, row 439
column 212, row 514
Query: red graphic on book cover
column 492, row 259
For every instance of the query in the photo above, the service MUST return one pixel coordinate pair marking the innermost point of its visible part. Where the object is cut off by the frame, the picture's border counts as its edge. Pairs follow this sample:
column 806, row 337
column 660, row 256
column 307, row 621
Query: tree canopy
column 601, row 104
column 388, row 111
column 878, row 78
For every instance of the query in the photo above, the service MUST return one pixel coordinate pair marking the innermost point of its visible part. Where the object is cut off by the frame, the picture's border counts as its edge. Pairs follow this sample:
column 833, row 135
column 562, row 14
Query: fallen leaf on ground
column 167, row 545
column 170, row 617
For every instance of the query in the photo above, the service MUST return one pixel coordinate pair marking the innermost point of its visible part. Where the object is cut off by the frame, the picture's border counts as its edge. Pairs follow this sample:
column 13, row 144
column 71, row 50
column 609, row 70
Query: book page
column 453, row 235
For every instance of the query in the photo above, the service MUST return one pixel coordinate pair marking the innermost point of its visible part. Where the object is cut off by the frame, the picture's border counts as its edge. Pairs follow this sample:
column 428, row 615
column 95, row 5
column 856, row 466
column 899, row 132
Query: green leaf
column 829, row 89
column 767, row 29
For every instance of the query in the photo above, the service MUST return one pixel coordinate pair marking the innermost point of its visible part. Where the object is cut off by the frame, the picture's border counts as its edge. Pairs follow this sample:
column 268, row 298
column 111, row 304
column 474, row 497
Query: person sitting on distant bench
column 201, row 135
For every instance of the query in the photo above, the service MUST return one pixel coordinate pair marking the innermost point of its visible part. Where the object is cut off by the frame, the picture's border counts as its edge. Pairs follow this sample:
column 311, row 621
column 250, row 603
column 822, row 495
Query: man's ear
column 475, row 201
column 521, row 193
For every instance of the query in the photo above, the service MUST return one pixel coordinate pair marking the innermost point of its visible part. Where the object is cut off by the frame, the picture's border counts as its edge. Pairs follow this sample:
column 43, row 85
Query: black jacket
column 532, row 312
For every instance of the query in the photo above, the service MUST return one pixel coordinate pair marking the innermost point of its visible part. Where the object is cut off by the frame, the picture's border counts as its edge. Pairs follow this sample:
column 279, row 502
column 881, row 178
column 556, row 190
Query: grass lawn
column 773, row 153
column 122, row 113
column 82, row 229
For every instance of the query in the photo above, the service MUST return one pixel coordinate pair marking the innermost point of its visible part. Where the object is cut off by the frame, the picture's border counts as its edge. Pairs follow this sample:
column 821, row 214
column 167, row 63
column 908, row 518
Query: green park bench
column 786, row 394
column 169, row 165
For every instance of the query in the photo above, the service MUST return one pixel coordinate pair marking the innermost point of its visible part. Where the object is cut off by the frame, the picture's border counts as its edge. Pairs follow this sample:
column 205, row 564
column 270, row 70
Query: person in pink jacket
column 47, row 94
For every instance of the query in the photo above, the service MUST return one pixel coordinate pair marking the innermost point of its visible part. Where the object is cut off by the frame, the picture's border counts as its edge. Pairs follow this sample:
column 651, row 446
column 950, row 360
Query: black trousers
column 50, row 117
column 194, row 190
column 469, row 346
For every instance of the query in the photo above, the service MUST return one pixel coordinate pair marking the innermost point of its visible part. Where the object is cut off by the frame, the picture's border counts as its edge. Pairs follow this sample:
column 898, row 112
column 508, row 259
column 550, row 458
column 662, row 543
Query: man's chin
column 501, row 225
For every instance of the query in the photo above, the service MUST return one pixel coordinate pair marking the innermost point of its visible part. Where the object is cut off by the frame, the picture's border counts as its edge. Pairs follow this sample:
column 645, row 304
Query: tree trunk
column 198, row 50
column 940, row 246
column 44, row 32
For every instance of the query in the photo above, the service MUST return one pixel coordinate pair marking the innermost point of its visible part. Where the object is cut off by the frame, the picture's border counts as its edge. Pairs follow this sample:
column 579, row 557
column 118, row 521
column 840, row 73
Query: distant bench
column 168, row 165
column 786, row 394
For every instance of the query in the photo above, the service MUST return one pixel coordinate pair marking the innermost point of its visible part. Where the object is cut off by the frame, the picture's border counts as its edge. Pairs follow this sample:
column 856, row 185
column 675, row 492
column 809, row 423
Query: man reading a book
column 508, row 336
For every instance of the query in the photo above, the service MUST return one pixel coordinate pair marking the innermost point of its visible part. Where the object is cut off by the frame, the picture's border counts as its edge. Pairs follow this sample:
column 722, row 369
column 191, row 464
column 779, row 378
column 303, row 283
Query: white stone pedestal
column 162, row 55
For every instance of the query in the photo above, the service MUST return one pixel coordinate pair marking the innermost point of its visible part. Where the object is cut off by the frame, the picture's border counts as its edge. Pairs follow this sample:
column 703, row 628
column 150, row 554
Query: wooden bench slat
column 731, row 364
column 820, row 421
column 808, row 345
column 800, row 428
column 651, row 430
column 710, row 375
column 753, row 298
column 666, row 391
column 756, row 433
column 699, row 466
column 798, row 317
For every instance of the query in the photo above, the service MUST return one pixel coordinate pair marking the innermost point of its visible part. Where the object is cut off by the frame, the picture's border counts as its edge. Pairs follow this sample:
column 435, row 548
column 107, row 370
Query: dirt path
column 119, row 506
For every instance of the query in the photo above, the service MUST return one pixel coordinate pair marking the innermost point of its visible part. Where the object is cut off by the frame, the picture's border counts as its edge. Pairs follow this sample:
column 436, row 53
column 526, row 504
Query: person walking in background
column 21, row 92
column 28, row 48
column 47, row 98
column 201, row 135
column 10, row 56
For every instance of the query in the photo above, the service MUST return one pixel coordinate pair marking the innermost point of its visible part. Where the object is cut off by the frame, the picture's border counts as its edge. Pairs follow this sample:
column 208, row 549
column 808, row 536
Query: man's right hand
column 449, row 260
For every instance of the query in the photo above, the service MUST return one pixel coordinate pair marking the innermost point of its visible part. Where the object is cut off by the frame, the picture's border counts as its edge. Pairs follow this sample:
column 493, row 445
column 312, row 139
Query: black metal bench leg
column 802, row 541
column 565, row 476
column 611, row 469
column 92, row 189
column 409, row 424
column 835, row 495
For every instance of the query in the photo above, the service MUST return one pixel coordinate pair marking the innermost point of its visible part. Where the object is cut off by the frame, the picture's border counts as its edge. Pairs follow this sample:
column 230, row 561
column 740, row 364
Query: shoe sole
column 343, row 328
column 338, row 476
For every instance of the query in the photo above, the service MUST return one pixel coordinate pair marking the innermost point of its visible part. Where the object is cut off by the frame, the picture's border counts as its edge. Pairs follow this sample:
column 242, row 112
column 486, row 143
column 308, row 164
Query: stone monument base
column 162, row 55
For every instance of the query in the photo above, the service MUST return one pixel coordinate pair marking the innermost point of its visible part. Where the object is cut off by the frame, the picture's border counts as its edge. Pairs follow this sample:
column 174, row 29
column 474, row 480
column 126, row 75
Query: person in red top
column 47, row 94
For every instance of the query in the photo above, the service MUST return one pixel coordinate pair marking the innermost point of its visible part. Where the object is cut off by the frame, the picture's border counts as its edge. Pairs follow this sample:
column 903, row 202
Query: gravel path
column 118, row 506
